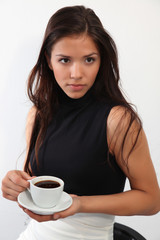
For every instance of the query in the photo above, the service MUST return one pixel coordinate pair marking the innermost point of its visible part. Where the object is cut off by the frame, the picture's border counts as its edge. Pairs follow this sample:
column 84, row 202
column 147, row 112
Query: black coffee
column 47, row 184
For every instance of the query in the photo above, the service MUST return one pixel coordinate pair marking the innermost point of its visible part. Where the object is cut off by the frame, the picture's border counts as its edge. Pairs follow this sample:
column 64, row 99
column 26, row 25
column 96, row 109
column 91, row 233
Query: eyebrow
column 88, row 55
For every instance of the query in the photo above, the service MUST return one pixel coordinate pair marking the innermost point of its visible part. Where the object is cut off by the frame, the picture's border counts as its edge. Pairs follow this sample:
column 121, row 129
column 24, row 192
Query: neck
column 66, row 100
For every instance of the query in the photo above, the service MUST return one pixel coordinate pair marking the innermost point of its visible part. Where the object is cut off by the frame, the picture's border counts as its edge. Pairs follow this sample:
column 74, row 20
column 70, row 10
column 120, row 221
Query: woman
column 82, row 129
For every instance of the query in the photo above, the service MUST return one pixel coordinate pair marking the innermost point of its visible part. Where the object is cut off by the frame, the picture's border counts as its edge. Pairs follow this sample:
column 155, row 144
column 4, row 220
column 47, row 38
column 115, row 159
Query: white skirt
column 81, row 226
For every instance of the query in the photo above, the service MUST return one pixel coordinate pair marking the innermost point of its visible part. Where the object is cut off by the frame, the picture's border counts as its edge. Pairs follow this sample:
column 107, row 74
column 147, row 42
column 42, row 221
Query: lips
column 76, row 87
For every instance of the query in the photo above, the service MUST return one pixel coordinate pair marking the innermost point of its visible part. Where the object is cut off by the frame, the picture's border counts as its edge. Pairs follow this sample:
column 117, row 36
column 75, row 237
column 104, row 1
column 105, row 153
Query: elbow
column 153, row 211
column 155, row 206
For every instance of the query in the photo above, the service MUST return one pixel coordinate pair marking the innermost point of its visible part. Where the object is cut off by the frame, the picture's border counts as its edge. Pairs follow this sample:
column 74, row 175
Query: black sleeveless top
column 75, row 148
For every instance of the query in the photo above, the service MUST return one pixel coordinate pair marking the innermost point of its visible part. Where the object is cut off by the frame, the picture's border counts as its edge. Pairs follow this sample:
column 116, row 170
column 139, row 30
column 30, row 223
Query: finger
column 63, row 214
column 21, row 207
column 73, row 195
column 16, row 177
column 9, row 197
column 11, row 185
column 39, row 218
column 19, row 180
column 26, row 175
column 11, row 192
column 74, row 208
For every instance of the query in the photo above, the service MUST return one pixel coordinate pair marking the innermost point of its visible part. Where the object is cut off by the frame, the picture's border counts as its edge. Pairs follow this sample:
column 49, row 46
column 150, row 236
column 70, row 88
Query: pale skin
column 75, row 62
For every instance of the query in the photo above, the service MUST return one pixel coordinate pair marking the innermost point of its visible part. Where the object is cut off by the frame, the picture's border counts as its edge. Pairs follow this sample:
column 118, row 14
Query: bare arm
column 15, row 181
column 29, row 127
column 144, row 196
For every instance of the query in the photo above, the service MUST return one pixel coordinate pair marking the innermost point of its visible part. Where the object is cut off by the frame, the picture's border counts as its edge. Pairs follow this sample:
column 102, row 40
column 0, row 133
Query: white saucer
column 25, row 200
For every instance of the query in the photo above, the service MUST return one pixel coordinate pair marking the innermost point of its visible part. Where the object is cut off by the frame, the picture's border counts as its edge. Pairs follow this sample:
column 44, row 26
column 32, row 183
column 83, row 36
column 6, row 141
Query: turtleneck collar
column 76, row 103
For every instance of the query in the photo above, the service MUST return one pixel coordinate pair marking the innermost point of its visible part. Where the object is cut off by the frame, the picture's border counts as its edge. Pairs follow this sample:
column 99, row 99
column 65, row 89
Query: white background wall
column 134, row 25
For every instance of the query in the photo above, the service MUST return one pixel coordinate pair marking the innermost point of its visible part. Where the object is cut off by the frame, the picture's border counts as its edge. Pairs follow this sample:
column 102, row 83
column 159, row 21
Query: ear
column 48, row 61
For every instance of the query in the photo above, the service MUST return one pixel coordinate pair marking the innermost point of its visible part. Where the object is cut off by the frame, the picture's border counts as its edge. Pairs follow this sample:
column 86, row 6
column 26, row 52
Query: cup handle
column 29, row 186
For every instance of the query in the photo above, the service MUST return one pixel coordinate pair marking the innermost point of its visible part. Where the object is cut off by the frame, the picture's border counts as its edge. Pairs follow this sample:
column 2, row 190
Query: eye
column 90, row 60
column 64, row 60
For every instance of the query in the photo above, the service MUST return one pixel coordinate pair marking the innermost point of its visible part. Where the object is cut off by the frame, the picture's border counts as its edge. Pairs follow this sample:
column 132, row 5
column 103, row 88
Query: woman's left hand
column 74, row 208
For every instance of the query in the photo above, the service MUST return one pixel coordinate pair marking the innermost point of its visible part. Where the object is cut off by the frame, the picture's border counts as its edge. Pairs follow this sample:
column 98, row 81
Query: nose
column 76, row 71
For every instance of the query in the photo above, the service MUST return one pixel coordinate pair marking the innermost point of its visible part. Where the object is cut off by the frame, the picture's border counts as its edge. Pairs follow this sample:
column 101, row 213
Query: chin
column 75, row 95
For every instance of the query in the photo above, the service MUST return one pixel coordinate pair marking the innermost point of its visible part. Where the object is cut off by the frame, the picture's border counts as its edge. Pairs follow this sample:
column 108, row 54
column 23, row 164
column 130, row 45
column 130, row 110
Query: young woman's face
column 75, row 61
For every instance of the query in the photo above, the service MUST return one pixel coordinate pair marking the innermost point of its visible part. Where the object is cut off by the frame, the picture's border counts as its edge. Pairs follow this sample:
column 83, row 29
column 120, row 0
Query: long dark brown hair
column 42, row 86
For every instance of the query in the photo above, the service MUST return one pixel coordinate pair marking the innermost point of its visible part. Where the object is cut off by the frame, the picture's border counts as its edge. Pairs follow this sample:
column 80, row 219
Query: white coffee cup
column 45, row 197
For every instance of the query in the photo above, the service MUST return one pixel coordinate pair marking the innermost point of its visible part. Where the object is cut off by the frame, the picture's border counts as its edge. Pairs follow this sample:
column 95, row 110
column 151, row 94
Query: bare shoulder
column 117, row 113
column 123, row 127
column 118, row 118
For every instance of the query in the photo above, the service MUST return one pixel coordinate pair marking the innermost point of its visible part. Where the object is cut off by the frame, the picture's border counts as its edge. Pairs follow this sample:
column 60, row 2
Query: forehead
column 75, row 44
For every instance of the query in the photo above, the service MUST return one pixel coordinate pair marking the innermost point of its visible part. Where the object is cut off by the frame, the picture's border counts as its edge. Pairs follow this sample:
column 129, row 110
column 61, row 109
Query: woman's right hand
column 14, row 183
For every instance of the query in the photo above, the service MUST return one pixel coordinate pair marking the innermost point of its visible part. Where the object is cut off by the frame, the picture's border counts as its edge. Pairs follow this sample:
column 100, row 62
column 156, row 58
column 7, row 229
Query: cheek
column 58, row 74
column 94, row 73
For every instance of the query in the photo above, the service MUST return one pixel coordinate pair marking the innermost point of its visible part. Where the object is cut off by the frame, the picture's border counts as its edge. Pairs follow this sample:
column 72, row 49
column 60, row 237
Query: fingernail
column 55, row 217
